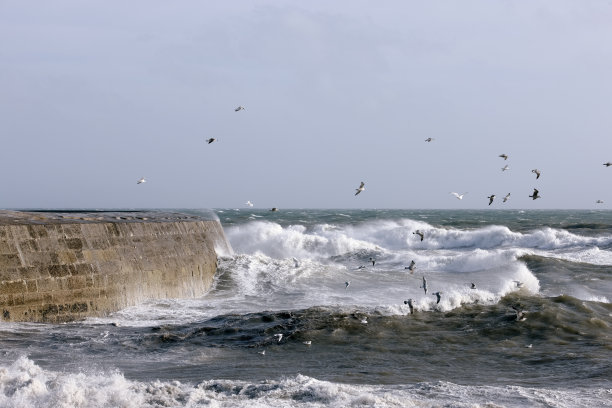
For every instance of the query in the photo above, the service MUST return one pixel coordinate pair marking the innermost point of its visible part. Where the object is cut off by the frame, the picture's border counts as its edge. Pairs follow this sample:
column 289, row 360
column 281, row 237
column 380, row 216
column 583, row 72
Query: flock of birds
column 534, row 196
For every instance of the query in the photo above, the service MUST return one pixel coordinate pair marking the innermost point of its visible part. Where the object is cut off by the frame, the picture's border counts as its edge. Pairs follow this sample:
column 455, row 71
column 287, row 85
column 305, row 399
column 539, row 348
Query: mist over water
column 355, row 345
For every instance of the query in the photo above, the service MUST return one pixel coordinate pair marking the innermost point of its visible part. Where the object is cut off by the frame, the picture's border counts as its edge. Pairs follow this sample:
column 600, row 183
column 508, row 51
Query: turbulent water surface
column 355, row 345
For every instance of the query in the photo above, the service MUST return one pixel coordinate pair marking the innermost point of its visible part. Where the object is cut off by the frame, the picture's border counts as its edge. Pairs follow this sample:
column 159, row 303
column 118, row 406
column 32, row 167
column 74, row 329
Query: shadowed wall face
column 60, row 268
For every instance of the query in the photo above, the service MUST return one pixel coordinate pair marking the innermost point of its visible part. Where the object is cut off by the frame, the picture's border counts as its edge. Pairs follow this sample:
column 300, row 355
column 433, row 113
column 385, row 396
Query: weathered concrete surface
column 61, row 266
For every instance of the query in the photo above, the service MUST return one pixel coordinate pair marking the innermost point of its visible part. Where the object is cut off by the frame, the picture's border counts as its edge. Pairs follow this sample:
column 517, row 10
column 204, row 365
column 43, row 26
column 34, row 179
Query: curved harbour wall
column 61, row 266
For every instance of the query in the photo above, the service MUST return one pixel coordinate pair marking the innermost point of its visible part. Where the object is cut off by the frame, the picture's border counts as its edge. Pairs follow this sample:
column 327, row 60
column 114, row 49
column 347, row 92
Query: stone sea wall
column 62, row 266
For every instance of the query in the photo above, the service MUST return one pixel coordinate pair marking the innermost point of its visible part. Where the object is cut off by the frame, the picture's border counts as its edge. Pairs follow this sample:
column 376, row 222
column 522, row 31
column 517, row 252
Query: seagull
column 274, row 209
column 529, row 346
column 361, row 188
column 142, row 180
column 599, row 202
column 520, row 314
column 537, row 173
column 459, row 196
column 473, row 286
column 279, row 335
column 429, row 139
column 296, row 263
column 506, row 167
column 535, row 194
column 607, row 164
column 263, row 352
column 491, row 197
column 346, row 284
column 411, row 267
column 364, row 320
column 504, row 156
column 410, row 305
column 373, row 261
column 238, row 109
column 249, row 203
column 438, row 296
column 506, row 197
column 424, row 285
column 361, row 267
column 307, row 342
column 209, row 141
column 420, row 234
column 519, row 284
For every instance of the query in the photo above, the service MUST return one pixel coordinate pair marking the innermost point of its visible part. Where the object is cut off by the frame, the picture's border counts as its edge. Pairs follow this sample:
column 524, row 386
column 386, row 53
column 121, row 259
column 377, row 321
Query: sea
column 312, row 308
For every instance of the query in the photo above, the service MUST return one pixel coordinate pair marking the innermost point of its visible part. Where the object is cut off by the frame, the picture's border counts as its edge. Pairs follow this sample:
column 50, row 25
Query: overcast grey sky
column 96, row 94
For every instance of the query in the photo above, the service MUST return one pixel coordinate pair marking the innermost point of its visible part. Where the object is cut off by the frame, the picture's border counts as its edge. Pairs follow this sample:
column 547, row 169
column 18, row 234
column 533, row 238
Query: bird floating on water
column 506, row 197
column 459, row 196
column 411, row 267
column 424, row 286
column 410, row 305
column 209, row 141
column 506, row 167
column 437, row 294
column 361, row 188
column 491, row 197
column 420, row 234
column 142, row 180
column 535, row 194
column 504, row 156
column 537, row 173
column 239, row 108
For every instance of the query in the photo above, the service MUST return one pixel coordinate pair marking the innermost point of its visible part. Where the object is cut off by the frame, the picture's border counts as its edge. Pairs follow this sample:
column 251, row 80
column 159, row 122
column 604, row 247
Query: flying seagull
column 429, row 139
column 410, row 305
column 520, row 313
column 424, row 285
column 209, row 141
column 346, row 284
column 142, row 180
column 519, row 284
column 437, row 294
column 419, row 233
column 491, row 197
column 537, row 173
column 249, row 203
column 599, row 201
column 535, row 194
column 506, row 197
column 361, row 188
column 373, row 261
column 504, row 156
column 607, row 164
column 279, row 335
column 296, row 262
column 238, row 109
column 411, row 267
column 506, row 167
column 473, row 285
column 459, row 196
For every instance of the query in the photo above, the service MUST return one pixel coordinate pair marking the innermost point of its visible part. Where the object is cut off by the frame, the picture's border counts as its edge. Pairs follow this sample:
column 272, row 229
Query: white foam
column 25, row 384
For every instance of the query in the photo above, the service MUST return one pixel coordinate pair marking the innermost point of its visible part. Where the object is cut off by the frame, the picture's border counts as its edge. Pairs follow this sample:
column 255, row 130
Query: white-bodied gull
column 537, row 173
column 459, row 196
column 142, row 180
column 507, row 197
column 424, row 286
column 361, row 188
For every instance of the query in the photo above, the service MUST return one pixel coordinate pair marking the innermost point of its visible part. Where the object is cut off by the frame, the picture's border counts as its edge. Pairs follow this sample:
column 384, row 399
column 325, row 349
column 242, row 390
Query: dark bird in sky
column 491, row 197
column 238, row 109
column 608, row 164
column 536, row 194
column 411, row 267
column 361, row 188
column 504, row 156
column 437, row 294
column 209, row 141
column 537, row 173
column 429, row 139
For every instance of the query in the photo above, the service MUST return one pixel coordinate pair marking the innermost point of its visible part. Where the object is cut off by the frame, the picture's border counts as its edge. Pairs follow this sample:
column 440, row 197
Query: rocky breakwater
column 62, row 266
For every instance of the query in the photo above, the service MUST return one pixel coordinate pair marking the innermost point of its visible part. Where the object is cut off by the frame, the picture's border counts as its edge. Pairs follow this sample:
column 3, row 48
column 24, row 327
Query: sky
column 95, row 95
